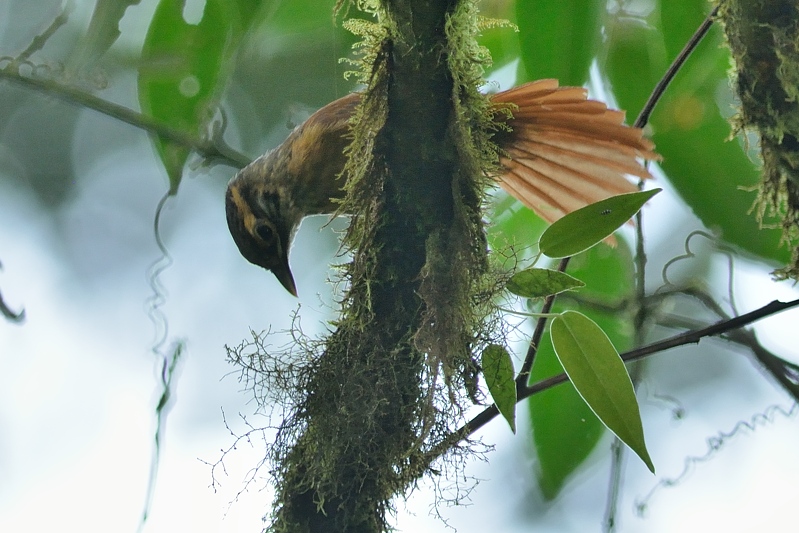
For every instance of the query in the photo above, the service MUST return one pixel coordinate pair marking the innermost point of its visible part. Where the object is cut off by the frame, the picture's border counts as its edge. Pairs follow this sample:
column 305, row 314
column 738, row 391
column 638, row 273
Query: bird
column 559, row 152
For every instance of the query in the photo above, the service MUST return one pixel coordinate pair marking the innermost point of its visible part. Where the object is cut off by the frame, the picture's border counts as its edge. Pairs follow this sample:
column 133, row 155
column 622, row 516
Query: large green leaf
column 597, row 372
column 634, row 61
column 558, row 39
column 565, row 430
column 182, row 72
column 714, row 175
column 590, row 225
column 499, row 375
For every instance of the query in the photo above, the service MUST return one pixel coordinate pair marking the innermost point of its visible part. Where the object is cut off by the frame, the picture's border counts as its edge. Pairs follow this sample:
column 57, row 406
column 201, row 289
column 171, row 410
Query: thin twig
column 618, row 451
column 660, row 88
column 640, row 256
column 784, row 372
column 617, row 455
column 527, row 365
column 688, row 337
column 214, row 150
column 39, row 41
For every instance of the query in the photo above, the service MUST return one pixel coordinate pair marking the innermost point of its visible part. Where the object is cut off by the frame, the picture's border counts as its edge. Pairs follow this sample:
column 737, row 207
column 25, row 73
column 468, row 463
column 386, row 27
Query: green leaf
column 559, row 39
column 635, row 61
column 599, row 375
column 590, row 225
column 714, row 175
column 181, row 73
column 512, row 226
column 286, row 68
column 499, row 376
column 103, row 32
column 540, row 282
column 564, row 429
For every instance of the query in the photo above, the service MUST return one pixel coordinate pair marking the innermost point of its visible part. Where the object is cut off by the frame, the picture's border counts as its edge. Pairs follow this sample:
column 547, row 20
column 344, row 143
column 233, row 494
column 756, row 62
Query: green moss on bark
column 395, row 376
column 763, row 36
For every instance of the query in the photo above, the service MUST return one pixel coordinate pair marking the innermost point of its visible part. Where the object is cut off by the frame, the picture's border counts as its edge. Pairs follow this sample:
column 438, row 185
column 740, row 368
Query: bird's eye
column 265, row 231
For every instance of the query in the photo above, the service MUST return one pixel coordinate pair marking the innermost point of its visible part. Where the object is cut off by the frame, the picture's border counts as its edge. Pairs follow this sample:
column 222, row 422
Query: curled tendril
column 690, row 254
column 648, row 394
column 715, row 443
column 15, row 65
column 44, row 70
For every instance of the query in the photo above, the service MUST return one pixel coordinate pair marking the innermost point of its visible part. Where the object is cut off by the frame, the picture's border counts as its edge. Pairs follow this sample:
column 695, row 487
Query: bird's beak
column 283, row 274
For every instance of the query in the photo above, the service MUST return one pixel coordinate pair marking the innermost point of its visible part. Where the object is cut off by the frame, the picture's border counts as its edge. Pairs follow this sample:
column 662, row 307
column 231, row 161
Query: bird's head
column 261, row 222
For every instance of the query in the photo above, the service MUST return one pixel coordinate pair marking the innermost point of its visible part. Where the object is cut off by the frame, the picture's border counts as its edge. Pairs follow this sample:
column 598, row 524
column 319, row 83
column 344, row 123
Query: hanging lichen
column 364, row 407
column 763, row 36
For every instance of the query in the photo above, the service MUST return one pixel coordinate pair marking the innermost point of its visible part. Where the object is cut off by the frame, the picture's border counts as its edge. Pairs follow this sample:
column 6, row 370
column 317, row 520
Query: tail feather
column 564, row 151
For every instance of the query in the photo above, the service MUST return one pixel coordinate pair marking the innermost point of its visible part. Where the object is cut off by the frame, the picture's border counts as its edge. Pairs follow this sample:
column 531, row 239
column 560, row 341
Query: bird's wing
column 564, row 151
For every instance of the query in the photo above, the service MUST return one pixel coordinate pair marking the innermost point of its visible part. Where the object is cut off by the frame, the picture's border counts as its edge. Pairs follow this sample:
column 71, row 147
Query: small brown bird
column 563, row 152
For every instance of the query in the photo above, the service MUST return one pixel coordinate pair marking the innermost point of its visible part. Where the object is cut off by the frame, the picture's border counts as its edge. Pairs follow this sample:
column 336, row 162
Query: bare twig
column 213, row 150
column 10, row 315
column 39, row 41
column 688, row 337
column 660, row 88
column 784, row 372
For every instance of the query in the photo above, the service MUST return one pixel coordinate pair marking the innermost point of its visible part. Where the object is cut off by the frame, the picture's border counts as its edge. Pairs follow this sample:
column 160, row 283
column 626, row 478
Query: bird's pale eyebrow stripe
column 243, row 208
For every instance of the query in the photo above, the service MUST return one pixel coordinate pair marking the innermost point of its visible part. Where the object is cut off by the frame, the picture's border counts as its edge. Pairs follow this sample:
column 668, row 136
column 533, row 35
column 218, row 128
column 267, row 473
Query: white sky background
column 79, row 384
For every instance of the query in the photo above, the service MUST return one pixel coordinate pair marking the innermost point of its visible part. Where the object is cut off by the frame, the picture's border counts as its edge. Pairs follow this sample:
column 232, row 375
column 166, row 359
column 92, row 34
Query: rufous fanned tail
column 564, row 151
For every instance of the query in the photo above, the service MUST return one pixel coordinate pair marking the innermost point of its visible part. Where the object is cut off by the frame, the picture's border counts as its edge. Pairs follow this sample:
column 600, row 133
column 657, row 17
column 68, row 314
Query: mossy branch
column 763, row 36
column 394, row 375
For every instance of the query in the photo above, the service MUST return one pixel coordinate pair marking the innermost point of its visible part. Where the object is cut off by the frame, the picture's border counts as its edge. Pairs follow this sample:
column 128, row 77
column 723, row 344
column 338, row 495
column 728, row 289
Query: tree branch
column 688, row 337
column 674, row 68
column 214, row 150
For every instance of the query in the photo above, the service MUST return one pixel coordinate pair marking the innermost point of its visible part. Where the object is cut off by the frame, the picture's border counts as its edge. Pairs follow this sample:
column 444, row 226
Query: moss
column 763, row 36
column 370, row 402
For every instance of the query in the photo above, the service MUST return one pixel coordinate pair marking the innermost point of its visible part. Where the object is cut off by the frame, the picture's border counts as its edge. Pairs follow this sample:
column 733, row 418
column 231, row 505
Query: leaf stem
column 524, row 373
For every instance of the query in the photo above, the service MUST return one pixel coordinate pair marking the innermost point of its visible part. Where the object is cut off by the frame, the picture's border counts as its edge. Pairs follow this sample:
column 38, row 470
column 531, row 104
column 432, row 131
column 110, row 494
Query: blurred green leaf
column 597, row 372
column 286, row 69
column 712, row 174
column 103, row 32
column 559, row 39
column 501, row 41
column 247, row 12
column 182, row 73
column 679, row 19
column 590, row 225
column 540, row 282
column 513, row 225
column 634, row 62
column 565, row 430
column 499, row 375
